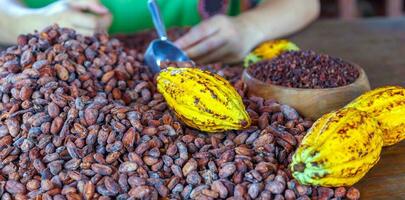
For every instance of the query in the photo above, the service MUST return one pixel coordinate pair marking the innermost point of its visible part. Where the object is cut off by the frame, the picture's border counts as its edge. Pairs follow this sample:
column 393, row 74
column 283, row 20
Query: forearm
column 277, row 18
column 12, row 16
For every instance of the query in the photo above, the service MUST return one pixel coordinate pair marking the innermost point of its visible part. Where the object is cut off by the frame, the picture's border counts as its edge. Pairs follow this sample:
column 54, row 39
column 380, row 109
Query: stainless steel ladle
column 161, row 49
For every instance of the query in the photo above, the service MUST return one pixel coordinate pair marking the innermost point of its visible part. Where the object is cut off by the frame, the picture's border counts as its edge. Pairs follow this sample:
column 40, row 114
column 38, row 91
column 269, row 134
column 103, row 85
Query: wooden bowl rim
column 362, row 75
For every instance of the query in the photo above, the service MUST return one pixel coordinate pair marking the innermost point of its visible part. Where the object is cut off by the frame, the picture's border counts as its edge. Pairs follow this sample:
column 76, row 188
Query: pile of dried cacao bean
column 81, row 119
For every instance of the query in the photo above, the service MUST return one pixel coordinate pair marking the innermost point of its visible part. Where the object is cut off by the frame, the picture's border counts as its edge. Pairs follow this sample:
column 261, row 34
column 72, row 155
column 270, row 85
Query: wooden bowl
column 311, row 103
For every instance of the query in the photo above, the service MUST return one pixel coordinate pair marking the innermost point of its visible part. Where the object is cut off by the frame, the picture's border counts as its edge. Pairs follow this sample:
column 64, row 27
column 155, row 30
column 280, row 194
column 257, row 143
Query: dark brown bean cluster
column 81, row 119
column 305, row 69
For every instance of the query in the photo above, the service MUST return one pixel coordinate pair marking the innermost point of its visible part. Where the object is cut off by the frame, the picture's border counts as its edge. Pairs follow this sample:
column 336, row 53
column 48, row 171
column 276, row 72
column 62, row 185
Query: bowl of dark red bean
column 312, row 83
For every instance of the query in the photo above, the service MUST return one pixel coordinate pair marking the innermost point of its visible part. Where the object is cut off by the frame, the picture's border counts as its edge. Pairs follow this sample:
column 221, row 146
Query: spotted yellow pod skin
column 202, row 100
column 387, row 105
column 338, row 150
column 269, row 50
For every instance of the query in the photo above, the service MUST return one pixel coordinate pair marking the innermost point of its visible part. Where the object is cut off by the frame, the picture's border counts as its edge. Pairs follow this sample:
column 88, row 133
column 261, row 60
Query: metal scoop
column 161, row 49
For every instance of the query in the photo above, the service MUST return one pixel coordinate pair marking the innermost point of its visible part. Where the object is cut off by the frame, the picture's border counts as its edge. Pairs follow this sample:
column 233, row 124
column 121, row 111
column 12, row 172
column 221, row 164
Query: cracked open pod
column 311, row 103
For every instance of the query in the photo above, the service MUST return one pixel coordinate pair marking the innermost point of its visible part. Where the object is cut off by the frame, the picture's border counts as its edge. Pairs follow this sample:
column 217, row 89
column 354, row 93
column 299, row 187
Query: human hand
column 85, row 16
column 220, row 38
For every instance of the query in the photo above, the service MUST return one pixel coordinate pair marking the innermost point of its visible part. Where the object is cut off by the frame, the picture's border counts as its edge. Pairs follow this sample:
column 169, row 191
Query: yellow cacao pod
column 387, row 105
column 269, row 50
column 338, row 150
column 202, row 100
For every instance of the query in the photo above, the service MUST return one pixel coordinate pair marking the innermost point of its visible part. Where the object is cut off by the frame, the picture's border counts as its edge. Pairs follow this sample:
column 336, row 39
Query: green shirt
column 132, row 15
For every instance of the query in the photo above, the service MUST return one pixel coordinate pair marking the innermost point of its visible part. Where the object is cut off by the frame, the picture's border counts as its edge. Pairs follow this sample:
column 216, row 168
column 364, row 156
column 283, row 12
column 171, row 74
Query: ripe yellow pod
column 387, row 105
column 338, row 150
column 202, row 100
column 269, row 50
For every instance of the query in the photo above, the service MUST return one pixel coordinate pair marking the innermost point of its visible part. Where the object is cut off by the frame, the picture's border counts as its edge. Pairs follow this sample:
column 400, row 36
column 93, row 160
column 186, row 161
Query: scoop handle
column 157, row 19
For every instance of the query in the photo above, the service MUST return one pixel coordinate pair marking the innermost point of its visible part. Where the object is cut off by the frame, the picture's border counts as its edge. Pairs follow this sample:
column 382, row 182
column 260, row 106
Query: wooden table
column 378, row 45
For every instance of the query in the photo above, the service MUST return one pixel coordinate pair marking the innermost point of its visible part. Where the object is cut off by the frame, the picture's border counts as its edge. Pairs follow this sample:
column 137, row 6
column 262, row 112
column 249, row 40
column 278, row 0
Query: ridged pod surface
column 202, row 100
column 338, row 150
column 269, row 50
column 387, row 105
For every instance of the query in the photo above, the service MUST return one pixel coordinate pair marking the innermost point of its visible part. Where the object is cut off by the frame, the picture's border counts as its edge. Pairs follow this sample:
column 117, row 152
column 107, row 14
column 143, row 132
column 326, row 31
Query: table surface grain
column 378, row 45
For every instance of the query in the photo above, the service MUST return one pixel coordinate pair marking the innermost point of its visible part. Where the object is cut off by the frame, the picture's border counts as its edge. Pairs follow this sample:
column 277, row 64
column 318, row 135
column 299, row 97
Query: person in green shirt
column 223, row 30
